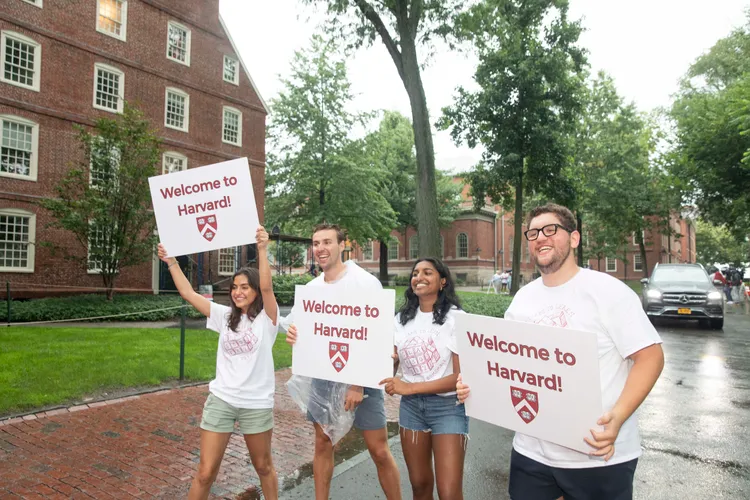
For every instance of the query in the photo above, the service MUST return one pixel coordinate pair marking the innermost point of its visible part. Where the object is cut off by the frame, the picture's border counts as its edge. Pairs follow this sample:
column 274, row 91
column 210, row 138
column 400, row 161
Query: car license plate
column 684, row 310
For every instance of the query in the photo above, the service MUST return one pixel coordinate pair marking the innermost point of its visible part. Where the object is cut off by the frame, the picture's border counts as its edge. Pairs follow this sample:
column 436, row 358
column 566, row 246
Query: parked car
column 683, row 291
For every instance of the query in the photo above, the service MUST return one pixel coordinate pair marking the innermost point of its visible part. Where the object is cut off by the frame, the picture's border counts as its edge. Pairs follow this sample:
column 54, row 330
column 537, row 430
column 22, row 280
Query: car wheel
column 717, row 324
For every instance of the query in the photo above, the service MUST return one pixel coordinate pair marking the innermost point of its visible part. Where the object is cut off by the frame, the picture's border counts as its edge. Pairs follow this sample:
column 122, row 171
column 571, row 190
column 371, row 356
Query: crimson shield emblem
column 207, row 226
column 525, row 402
column 339, row 354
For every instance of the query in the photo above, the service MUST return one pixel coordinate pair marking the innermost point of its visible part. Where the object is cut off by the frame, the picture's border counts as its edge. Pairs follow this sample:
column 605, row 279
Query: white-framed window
column 393, row 249
column 413, row 247
column 367, row 251
column 227, row 261
column 232, row 126
column 231, row 70
column 37, row 3
column 462, row 246
column 611, row 265
column 176, row 109
column 178, row 43
column 109, row 88
column 19, row 149
column 637, row 263
column 100, row 167
column 442, row 247
column 17, row 239
column 635, row 240
column 173, row 162
column 22, row 60
column 96, row 239
column 112, row 18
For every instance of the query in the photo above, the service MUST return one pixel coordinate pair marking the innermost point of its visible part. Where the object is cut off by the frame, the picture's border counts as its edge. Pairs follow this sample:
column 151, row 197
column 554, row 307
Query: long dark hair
column 253, row 279
column 447, row 297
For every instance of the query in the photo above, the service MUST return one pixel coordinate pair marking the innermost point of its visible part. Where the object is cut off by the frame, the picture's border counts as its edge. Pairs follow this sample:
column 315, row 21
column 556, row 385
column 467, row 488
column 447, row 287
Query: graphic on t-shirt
column 525, row 402
column 243, row 342
column 207, row 226
column 419, row 356
column 339, row 354
column 557, row 315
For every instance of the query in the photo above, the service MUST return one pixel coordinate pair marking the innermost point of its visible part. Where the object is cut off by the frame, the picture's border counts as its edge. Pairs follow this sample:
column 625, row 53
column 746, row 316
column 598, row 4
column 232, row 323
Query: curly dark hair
column 447, row 297
column 253, row 279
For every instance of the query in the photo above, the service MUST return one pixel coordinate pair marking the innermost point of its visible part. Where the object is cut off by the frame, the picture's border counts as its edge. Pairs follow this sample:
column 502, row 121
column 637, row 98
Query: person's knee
column 323, row 444
column 206, row 474
column 381, row 454
column 449, row 490
column 421, row 487
column 264, row 466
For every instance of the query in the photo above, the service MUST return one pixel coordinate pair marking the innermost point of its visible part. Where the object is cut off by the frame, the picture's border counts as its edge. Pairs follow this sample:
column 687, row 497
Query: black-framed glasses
column 548, row 230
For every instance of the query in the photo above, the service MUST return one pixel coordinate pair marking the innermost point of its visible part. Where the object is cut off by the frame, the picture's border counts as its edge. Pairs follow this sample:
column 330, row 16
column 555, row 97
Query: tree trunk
column 383, row 263
column 644, row 263
column 428, row 232
column 109, row 284
column 625, row 262
column 579, row 223
column 517, row 222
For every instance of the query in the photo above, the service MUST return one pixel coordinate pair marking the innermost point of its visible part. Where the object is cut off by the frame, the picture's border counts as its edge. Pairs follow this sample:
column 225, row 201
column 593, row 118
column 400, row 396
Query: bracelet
column 172, row 264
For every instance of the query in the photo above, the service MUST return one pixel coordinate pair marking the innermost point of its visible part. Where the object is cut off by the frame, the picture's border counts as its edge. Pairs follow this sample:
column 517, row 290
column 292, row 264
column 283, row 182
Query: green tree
column 391, row 147
column 531, row 76
column 401, row 25
column 105, row 200
column 316, row 172
column 712, row 118
column 717, row 245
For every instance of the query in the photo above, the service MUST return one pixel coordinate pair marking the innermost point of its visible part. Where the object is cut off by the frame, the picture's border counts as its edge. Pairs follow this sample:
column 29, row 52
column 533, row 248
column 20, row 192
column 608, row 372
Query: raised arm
column 264, row 268
column 201, row 303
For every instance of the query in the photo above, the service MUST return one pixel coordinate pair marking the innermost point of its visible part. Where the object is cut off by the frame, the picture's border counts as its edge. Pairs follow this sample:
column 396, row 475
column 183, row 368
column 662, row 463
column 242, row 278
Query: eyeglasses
column 548, row 230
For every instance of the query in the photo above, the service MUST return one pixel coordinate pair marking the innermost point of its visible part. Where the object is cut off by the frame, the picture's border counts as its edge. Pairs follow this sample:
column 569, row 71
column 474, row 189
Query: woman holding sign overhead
column 244, row 386
column 432, row 424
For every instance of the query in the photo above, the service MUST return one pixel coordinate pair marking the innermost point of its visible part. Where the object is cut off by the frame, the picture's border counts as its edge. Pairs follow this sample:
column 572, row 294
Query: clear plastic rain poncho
column 324, row 402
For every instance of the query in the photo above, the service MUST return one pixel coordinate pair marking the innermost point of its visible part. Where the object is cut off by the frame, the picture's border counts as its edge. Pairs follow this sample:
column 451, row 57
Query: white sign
column 343, row 337
column 538, row 380
column 205, row 208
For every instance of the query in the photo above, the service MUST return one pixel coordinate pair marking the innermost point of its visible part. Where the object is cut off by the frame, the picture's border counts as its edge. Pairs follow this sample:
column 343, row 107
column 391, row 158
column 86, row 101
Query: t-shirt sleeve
column 269, row 329
column 627, row 324
column 451, row 319
column 218, row 317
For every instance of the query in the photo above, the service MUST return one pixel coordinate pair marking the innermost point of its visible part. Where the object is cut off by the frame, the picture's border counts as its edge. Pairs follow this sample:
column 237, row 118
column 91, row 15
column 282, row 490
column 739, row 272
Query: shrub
column 401, row 280
column 283, row 286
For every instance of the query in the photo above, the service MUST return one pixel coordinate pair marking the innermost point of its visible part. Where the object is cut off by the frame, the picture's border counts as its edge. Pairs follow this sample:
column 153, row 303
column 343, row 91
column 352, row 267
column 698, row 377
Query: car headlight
column 653, row 294
column 714, row 296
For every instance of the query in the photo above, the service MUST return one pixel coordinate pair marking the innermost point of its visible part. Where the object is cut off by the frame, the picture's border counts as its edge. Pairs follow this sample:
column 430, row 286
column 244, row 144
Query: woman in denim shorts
column 243, row 389
column 433, row 424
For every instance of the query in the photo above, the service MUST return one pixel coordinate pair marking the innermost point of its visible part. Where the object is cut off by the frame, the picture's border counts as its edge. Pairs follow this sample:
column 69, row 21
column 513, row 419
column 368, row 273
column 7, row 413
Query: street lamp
column 276, row 231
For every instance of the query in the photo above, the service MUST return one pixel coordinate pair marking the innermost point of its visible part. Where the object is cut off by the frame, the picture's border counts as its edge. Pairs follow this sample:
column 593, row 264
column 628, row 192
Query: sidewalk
column 145, row 446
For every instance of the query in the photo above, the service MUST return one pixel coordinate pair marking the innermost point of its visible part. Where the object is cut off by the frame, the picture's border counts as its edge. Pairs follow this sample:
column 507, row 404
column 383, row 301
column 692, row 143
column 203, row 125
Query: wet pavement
column 694, row 428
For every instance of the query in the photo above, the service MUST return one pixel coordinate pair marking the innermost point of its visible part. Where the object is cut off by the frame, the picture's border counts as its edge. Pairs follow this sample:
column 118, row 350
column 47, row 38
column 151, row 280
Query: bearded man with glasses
column 630, row 362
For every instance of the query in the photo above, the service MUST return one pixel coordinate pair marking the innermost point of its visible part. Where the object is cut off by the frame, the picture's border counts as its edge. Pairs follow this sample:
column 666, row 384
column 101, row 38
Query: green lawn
column 41, row 367
column 636, row 285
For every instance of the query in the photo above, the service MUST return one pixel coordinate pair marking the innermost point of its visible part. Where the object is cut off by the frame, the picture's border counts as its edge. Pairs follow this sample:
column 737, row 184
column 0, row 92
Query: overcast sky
column 645, row 45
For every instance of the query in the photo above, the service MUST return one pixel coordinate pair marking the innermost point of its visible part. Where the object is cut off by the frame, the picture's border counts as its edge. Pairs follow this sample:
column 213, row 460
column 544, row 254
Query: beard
column 555, row 263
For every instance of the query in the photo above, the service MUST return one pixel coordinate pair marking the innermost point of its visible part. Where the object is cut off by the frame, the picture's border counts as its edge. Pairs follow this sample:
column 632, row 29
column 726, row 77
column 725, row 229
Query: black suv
column 683, row 291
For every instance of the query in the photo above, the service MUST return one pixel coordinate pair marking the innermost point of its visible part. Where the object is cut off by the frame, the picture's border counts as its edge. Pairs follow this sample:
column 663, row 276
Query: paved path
column 143, row 446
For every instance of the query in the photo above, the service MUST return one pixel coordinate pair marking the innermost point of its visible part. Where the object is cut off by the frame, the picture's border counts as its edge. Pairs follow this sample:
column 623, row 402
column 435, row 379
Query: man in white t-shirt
column 630, row 362
column 328, row 244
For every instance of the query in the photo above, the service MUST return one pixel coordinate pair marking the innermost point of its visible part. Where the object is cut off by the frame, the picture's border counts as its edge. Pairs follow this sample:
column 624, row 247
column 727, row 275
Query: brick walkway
column 140, row 447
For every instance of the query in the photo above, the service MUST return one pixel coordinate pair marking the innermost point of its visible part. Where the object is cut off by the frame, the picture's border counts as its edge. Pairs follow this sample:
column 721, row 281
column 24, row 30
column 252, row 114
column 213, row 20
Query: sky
column 645, row 45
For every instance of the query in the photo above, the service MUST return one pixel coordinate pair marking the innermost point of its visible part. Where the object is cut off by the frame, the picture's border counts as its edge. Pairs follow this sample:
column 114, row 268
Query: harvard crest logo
column 525, row 402
column 207, row 226
column 339, row 354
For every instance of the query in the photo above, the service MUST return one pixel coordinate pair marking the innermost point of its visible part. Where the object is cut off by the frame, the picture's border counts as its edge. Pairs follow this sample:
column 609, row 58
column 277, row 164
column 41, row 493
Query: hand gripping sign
column 205, row 208
column 534, row 379
column 343, row 337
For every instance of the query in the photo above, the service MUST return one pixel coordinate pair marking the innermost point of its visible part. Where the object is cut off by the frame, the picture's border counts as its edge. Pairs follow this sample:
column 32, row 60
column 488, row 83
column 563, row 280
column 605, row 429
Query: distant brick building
column 69, row 63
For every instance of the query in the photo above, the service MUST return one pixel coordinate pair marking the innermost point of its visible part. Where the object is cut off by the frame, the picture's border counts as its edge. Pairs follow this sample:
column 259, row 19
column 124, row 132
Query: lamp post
column 276, row 231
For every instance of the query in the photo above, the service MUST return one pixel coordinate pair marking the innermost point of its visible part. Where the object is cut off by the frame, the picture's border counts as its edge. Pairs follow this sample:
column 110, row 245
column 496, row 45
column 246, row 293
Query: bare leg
column 449, row 465
column 417, row 447
column 322, row 463
column 213, row 445
column 390, row 479
column 259, row 446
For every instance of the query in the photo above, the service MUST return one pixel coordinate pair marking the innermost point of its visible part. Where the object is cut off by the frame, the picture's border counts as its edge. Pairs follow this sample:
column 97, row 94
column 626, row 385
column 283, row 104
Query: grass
column 42, row 366
column 636, row 285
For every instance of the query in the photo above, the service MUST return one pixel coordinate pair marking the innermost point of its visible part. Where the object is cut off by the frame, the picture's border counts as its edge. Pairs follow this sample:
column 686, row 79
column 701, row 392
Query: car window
column 666, row 274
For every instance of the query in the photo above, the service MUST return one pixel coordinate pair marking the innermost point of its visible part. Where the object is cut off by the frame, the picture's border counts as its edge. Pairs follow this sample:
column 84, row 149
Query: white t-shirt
column 593, row 302
column 244, row 360
column 425, row 349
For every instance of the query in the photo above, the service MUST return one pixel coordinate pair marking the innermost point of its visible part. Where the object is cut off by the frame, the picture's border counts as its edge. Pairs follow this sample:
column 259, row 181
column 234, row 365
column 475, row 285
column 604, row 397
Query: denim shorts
column 220, row 416
column 369, row 415
column 434, row 414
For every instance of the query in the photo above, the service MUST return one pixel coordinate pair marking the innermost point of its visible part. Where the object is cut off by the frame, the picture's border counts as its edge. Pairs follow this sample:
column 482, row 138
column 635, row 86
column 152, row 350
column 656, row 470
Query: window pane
column 462, row 242
column 231, row 126
column 230, row 69
column 226, row 261
column 16, row 150
column 19, row 61
column 107, row 89
column 14, row 241
column 393, row 249
column 173, row 164
column 175, row 110
column 110, row 16
column 178, row 40
column 367, row 251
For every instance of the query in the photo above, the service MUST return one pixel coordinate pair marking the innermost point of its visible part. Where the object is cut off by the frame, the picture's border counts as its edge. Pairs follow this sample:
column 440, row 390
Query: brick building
column 69, row 63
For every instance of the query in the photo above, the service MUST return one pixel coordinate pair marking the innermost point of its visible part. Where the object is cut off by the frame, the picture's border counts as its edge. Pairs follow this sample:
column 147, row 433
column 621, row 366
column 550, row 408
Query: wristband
column 172, row 264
